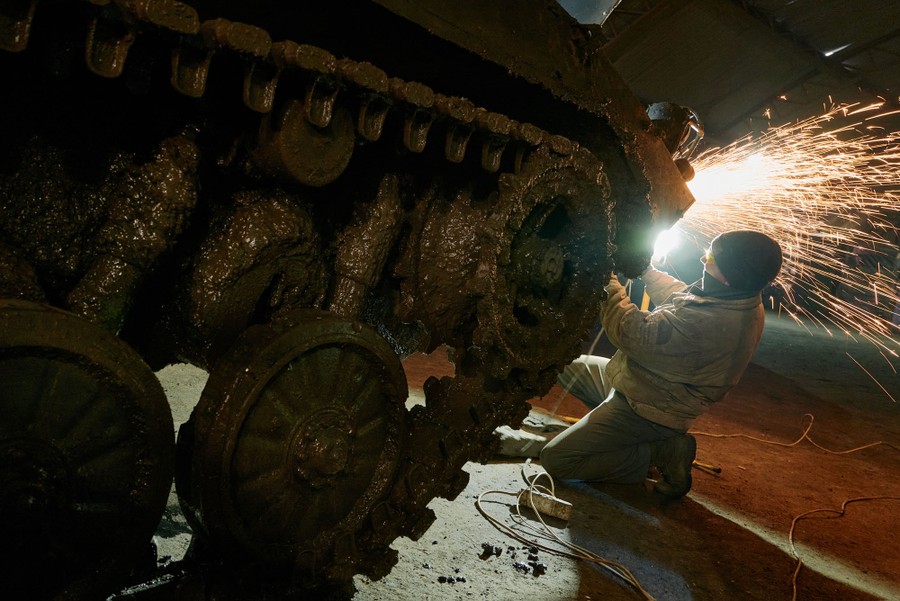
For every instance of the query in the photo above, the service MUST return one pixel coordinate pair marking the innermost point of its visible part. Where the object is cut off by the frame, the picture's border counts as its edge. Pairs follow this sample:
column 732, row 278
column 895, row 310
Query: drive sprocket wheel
column 295, row 439
column 544, row 273
column 86, row 456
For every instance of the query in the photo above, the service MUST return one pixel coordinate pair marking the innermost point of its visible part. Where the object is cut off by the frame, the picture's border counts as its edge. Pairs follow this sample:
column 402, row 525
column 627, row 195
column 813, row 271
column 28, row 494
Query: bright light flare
column 747, row 175
column 666, row 242
column 829, row 191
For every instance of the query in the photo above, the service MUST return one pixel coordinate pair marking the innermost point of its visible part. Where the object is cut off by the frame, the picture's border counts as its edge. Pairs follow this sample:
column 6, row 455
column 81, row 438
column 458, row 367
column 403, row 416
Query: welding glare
column 731, row 179
column 667, row 241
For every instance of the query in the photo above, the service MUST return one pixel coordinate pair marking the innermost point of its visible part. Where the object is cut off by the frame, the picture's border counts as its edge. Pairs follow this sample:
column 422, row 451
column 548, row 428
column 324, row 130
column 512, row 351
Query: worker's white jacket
column 687, row 353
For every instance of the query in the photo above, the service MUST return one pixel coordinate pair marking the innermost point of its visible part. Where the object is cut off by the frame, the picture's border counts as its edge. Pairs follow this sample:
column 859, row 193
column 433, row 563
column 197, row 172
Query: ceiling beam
column 829, row 64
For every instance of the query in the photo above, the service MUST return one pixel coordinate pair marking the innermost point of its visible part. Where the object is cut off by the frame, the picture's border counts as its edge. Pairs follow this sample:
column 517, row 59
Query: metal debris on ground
column 531, row 565
column 487, row 549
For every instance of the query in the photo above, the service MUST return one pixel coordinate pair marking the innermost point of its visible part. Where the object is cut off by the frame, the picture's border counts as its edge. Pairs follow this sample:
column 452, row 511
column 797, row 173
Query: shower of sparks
column 828, row 189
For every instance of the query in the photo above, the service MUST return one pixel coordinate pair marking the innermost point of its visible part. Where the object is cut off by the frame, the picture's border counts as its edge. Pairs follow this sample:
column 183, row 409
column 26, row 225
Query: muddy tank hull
column 295, row 198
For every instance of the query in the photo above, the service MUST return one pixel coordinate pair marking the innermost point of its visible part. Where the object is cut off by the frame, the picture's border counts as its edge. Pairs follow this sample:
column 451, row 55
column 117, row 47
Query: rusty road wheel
column 86, row 455
column 296, row 438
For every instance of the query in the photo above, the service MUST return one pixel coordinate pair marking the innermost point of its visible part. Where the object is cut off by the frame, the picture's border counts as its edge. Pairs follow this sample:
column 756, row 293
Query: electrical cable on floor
column 575, row 551
column 840, row 512
column 804, row 436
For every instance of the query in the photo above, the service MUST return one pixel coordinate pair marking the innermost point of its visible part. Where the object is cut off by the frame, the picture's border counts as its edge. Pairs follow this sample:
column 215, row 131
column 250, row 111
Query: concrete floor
column 729, row 539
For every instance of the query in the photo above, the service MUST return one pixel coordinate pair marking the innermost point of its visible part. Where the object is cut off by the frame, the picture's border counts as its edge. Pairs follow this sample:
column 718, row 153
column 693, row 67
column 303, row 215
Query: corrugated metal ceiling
column 745, row 65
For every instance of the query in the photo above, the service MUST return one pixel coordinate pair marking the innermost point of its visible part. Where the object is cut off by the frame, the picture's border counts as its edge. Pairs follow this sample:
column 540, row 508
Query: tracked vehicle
column 295, row 197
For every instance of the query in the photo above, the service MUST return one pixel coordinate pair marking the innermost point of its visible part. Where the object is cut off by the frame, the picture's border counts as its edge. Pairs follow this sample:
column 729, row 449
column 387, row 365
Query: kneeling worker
column 671, row 364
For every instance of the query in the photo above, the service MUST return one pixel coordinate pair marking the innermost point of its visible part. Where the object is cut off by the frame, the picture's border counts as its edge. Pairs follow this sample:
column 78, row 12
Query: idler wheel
column 86, row 455
column 544, row 273
column 295, row 439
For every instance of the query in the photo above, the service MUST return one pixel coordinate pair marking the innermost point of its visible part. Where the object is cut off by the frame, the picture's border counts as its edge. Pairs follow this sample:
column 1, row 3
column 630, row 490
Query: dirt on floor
column 770, row 498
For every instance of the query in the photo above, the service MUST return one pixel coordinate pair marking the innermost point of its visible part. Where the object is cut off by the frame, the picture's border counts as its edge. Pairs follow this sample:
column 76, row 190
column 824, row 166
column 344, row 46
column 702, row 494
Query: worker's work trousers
column 611, row 443
column 585, row 379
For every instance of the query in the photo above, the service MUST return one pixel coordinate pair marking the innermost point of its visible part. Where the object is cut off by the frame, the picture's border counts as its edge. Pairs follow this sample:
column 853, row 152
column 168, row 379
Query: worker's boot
column 674, row 457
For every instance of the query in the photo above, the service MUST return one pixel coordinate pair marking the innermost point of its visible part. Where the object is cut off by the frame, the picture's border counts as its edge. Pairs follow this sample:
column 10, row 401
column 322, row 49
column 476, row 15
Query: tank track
column 116, row 25
column 493, row 380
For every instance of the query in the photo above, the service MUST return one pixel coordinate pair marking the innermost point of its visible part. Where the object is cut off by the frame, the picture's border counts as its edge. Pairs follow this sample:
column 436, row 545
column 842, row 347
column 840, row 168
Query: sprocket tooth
column 190, row 68
column 107, row 46
column 260, row 82
column 519, row 413
column 419, row 481
column 15, row 24
column 561, row 145
column 418, row 523
column 491, row 450
column 497, row 128
column 347, row 558
column 455, row 485
column 320, row 68
column 375, row 103
column 452, row 445
column 458, row 136
column 459, row 113
column 528, row 137
column 380, row 562
column 384, row 519
column 320, row 97
column 419, row 100
column 373, row 111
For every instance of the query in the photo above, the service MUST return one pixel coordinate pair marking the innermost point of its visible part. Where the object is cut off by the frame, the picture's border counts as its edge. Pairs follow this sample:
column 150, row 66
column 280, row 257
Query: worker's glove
column 617, row 306
column 614, row 287
column 616, row 297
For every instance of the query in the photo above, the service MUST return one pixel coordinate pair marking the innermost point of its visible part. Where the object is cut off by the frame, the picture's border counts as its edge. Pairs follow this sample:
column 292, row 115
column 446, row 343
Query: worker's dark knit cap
column 749, row 260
